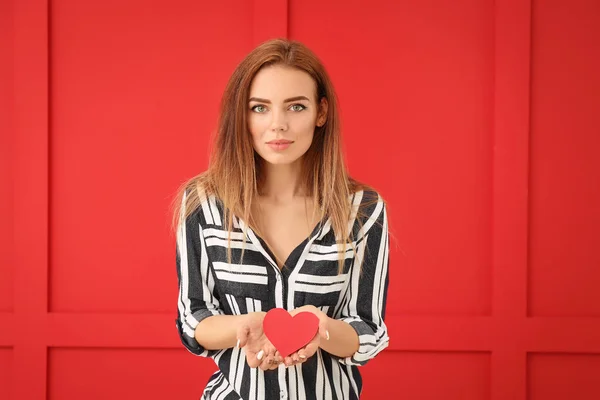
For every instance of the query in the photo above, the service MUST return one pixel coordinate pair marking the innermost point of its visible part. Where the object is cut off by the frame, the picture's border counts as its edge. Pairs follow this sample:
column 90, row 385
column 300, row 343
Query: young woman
column 276, row 221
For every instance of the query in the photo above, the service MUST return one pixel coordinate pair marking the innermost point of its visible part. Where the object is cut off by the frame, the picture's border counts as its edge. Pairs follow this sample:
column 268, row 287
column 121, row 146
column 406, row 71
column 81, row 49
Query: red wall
column 477, row 120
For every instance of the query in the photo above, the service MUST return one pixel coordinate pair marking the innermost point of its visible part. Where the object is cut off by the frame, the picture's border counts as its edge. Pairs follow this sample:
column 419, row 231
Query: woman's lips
column 279, row 145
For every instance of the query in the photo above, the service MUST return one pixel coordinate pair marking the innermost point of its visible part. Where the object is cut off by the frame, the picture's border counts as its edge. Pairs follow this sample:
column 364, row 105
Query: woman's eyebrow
column 259, row 100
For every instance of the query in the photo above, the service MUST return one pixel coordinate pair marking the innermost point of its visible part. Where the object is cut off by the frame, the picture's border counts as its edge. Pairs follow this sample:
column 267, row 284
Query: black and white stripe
column 209, row 285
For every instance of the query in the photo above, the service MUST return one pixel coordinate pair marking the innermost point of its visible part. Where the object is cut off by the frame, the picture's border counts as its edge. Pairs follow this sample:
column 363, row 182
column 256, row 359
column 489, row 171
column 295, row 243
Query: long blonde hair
column 234, row 175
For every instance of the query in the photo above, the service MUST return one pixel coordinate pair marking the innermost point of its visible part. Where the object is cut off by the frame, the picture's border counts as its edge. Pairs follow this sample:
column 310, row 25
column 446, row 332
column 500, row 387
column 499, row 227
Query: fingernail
column 238, row 344
column 327, row 334
column 260, row 355
column 302, row 356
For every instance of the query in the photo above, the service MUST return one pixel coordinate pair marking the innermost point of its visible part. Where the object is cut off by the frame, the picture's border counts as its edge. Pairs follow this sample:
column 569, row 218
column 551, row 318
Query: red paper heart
column 288, row 333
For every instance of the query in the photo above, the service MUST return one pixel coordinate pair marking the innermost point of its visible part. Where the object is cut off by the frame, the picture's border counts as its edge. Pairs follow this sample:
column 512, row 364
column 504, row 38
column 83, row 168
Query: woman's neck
column 282, row 183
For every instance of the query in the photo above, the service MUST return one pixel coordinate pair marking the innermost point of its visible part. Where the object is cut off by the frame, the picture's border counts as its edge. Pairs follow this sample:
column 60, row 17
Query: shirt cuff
column 371, row 342
column 186, row 330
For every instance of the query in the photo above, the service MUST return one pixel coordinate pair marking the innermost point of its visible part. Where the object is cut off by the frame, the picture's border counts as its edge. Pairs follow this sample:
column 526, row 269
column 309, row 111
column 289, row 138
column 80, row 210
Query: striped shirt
column 208, row 285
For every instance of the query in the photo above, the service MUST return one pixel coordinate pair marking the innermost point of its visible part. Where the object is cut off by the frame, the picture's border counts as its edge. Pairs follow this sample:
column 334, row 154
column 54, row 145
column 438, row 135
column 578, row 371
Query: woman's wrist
column 344, row 339
column 326, row 322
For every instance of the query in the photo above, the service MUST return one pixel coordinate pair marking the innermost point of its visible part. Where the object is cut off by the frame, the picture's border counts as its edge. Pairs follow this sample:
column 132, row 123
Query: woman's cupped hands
column 261, row 353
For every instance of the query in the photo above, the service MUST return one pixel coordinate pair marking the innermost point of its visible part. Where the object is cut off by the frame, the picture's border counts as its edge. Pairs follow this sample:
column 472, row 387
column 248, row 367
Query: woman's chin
column 280, row 161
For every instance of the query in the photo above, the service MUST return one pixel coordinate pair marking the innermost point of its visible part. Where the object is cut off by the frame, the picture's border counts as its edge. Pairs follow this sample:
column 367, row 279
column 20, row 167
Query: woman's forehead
column 277, row 83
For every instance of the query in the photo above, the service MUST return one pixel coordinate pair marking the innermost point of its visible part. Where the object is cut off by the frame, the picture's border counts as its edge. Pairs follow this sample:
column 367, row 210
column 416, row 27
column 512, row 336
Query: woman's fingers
column 242, row 336
column 310, row 349
column 323, row 330
column 269, row 349
column 269, row 362
column 252, row 359
column 274, row 363
column 296, row 359
column 288, row 361
column 269, row 356
column 266, row 360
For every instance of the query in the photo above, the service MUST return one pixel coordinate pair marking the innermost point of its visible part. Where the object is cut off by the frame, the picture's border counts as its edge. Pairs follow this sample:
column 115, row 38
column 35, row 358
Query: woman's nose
column 279, row 121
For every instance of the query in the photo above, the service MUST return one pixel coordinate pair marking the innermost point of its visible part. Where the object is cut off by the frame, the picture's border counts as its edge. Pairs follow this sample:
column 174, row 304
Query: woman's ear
column 322, row 116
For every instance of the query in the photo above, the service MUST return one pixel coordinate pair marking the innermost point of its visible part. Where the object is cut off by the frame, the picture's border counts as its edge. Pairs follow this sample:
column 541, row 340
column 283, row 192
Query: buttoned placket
column 279, row 293
column 279, row 303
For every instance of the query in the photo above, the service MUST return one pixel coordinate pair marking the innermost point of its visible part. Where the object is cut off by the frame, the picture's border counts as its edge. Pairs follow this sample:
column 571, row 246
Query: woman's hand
column 311, row 348
column 260, row 352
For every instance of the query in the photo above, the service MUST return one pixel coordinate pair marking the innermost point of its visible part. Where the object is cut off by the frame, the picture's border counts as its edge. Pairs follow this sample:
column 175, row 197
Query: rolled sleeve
column 365, row 298
column 371, row 341
column 196, row 300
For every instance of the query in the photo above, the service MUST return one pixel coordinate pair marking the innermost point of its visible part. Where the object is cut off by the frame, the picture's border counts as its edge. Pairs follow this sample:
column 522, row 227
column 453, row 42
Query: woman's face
column 283, row 113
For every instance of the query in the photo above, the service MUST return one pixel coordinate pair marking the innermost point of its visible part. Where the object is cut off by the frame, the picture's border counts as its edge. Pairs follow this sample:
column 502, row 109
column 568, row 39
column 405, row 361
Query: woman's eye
column 298, row 107
column 259, row 109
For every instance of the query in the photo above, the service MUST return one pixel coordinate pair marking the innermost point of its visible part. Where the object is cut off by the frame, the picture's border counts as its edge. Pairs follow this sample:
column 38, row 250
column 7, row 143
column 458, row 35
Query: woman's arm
column 365, row 299
column 343, row 339
column 203, row 327
column 197, row 302
column 219, row 331
column 224, row 331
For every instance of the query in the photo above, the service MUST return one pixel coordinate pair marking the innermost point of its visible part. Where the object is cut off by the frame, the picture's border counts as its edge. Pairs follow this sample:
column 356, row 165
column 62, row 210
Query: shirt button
column 282, row 394
column 278, row 278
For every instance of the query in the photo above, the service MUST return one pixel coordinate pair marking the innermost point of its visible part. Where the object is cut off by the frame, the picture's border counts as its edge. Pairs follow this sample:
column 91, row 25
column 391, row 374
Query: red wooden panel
column 7, row 329
column 112, row 330
column 125, row 374
column 6, row 373
column 6, row 151
column 510, row 204
column 132, row 84
column 135, row 96
column 30, row 205
column 269, row 20
column 551, row 334
column 442, row 333
column 415, row 81
column 563, row 376
column 428, row 376
column 565, row 167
